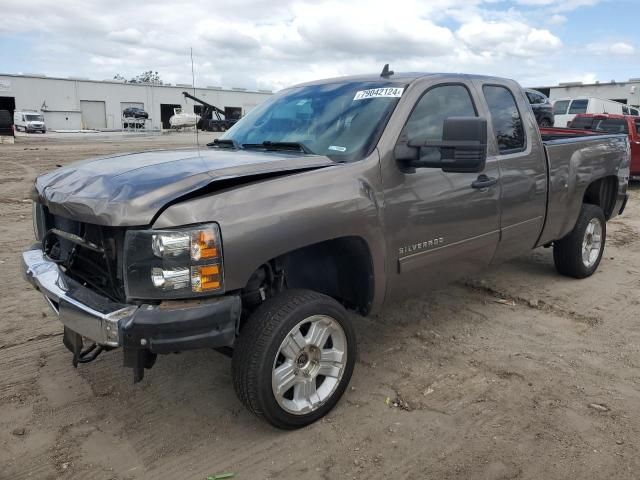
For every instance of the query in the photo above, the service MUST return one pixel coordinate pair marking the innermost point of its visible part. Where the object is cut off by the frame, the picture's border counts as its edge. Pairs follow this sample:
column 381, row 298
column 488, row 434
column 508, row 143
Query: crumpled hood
column 130, row 189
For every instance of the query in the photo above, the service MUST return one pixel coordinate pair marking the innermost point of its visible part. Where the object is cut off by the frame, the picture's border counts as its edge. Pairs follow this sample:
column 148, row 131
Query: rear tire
column 294, row 358
column 545, row 122
column 579, row 253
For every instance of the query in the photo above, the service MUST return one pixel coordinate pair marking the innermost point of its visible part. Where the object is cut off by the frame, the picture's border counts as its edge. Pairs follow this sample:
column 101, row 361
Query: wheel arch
column 341, row 268
column 603, row 192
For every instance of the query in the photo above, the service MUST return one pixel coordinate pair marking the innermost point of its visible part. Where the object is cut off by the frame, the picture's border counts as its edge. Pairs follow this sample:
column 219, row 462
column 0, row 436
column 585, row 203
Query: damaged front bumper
column 143, row 330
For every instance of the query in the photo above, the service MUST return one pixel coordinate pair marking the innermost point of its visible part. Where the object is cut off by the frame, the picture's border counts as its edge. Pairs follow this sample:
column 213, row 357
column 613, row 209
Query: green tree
column 145, row 77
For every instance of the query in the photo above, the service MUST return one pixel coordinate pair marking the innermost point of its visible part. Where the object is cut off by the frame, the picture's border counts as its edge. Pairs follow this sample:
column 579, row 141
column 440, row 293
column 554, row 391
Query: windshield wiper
column 224, row 143
column 279, row 146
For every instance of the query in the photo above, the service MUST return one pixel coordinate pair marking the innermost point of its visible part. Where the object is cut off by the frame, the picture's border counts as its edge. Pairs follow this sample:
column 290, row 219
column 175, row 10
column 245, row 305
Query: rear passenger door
column 514, row 142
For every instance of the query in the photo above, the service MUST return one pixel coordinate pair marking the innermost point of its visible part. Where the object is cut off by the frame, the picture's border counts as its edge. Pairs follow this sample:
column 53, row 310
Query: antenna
column 386, row 73
column 193, row 84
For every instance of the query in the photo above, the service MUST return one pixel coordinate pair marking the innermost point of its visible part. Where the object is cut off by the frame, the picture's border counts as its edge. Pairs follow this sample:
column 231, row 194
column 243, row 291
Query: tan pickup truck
column 334, row 195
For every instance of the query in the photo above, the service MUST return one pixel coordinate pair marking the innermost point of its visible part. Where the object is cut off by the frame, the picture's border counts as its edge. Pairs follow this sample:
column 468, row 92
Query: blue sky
column 266, row 44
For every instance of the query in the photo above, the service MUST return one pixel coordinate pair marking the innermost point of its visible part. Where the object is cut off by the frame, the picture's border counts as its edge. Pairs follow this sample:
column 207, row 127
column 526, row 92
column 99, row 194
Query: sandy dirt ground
column 515, row 374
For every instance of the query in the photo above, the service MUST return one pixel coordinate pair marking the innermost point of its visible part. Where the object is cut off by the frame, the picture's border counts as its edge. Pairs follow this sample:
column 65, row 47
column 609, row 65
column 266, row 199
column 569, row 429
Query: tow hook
column 73, row 342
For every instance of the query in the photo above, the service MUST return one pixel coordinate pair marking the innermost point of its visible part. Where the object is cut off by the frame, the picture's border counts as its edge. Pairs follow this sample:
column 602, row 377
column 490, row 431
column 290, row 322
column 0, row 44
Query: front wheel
column 579, row 253
column 294, row 358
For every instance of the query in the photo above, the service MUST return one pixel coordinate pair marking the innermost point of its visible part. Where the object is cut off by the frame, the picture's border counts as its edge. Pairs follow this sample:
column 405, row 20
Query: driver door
column 439, row 225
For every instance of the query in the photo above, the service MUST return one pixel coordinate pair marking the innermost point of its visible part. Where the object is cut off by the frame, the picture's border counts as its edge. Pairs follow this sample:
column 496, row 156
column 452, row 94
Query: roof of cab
column 401, row 78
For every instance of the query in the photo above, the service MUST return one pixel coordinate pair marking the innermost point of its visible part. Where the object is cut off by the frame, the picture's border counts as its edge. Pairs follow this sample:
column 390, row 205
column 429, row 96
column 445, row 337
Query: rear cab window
column 505, row 118
column 578, row 106
column 583, row 123
column 604, row 125
column 612, row 125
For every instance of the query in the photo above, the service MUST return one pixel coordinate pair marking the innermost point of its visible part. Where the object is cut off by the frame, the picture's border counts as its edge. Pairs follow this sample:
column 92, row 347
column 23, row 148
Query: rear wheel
column 579, row 253
column 294, row 358
column 545, row 122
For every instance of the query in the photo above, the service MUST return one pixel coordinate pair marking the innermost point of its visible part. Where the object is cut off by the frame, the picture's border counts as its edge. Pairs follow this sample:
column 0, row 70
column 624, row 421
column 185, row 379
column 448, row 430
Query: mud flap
column 138, row 359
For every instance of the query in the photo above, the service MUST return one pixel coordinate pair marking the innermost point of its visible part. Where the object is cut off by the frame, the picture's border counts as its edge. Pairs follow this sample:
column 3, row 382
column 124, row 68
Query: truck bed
column 554, row 133
column 575, row 159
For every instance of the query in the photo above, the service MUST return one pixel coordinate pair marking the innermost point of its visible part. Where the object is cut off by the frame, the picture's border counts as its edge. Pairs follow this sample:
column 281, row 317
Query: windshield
column 341, row 120
column 560, row 107
column 34, row 118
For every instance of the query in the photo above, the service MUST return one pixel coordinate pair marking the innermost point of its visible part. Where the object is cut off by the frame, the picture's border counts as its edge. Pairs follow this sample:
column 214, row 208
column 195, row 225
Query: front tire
column 579, row 253
column 294, row 358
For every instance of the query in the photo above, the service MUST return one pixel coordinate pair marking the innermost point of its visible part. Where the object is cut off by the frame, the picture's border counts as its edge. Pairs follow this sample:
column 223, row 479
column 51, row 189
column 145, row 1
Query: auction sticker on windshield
column 387, row 92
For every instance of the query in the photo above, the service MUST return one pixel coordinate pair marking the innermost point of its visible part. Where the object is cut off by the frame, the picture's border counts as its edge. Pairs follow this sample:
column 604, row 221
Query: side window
column 638, row 126
column 505, row 118
column 633, row 112
column 579, row 106
column 427, row 119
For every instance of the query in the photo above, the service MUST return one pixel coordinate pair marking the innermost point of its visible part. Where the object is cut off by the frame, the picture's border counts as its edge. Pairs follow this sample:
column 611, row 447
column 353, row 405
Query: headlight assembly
column 180, row 263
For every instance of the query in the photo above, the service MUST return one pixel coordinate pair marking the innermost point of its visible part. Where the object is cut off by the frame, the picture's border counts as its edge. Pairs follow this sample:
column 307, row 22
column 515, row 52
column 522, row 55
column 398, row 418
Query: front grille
column 87, row 253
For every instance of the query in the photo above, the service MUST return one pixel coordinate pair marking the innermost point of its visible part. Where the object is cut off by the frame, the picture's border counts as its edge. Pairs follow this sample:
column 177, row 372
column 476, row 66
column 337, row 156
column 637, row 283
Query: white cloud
column 557, row 19
column 621, row 49
column 128, row 35
column 507, row 38
column 559, row 5
column 272, row 44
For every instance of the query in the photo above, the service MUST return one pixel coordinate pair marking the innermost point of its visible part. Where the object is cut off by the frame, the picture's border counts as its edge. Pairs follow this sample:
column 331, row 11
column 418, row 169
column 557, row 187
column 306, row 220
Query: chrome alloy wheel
column 592, row 243
column 309, row 365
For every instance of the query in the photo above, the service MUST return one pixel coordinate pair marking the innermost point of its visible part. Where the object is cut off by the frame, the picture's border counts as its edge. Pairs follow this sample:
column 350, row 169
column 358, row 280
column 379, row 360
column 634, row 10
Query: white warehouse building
column 623, row 92
column 75, row 103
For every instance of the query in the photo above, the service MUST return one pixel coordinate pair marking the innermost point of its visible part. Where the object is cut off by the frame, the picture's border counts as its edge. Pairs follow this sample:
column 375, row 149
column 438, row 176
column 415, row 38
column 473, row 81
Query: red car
column 609, row 123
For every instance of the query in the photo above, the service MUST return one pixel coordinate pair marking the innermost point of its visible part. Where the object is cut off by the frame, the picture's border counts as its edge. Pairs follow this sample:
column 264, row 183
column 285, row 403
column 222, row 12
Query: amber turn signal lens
column 205, row 278
column 204, row 245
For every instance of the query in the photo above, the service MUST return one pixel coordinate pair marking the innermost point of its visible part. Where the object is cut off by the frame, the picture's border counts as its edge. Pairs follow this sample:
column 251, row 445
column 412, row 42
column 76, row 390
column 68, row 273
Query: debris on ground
column 599, row 406
column 18, row 432
column 504, row 301
column 398, row 402
column 221, row 476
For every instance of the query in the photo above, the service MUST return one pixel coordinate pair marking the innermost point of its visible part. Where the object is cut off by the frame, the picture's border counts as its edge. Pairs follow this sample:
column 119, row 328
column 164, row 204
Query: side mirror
column 463, row 147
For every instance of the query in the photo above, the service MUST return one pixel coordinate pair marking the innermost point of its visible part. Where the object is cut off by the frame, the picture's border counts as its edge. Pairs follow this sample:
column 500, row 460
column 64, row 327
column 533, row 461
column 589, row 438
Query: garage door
column 94, row 114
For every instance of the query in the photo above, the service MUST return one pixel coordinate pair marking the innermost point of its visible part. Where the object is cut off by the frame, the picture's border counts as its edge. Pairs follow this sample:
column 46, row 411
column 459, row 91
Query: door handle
column 484, row 182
